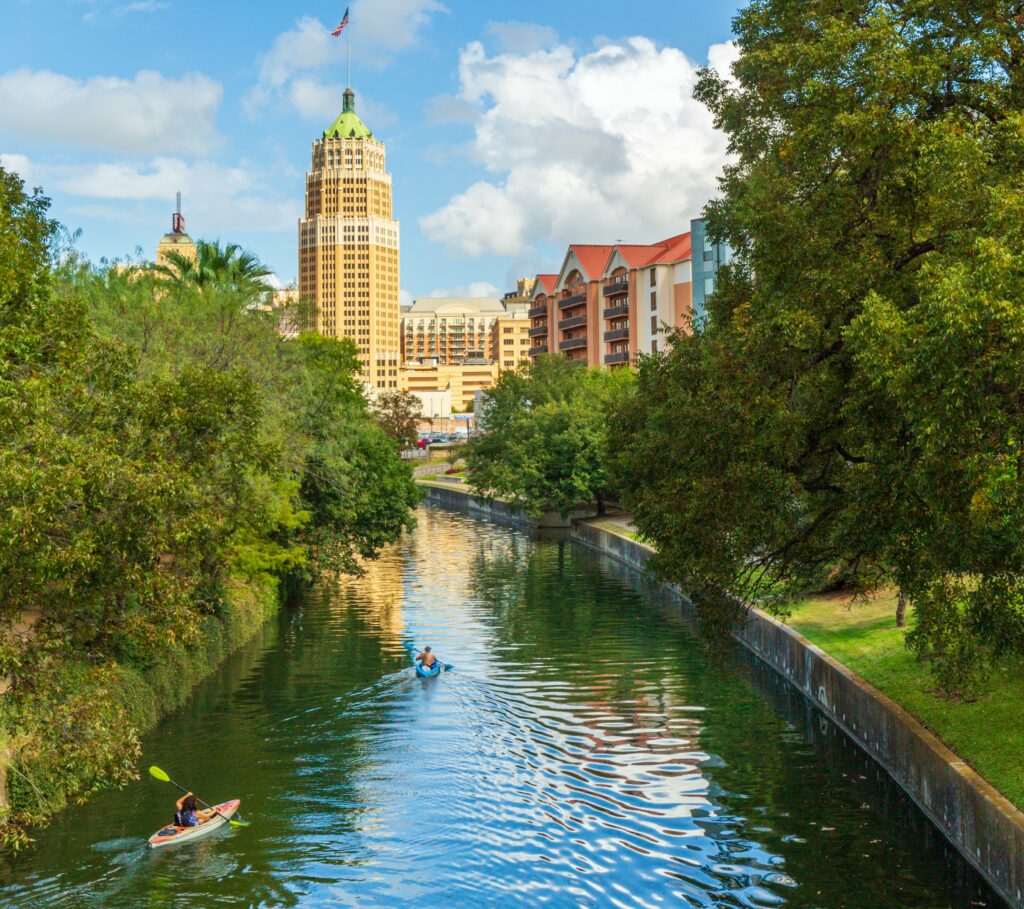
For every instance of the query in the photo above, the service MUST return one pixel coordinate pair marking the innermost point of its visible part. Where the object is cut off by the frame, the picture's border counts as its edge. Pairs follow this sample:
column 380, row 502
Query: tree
column 228, row 267
column 851, row 408
column 545, row 444
column 398, row 413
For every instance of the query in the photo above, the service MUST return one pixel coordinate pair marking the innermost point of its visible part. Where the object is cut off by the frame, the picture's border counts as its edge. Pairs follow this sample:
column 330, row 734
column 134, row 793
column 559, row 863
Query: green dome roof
column 348, row 125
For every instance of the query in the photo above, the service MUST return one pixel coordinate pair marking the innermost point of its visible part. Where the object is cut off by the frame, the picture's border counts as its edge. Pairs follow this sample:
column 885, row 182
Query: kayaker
column 427, row 658
column 188, row 814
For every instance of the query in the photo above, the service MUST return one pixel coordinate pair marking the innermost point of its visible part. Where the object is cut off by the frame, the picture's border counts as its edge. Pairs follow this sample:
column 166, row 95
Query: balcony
column 617, row 334
column 538, row 331
column 573, row 322
column 615, row 289
column 538, row 312
column 538, row 350
column 573, row 344
column 614, row 312
column 621, row 356
column 574, row 300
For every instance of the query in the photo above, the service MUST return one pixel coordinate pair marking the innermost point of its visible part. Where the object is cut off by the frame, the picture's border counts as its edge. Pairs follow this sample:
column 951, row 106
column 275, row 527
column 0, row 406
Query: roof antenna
column 178, row 220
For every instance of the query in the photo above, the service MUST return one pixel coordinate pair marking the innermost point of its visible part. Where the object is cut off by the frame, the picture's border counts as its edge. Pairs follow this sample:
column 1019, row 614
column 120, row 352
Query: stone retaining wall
column 984, row 826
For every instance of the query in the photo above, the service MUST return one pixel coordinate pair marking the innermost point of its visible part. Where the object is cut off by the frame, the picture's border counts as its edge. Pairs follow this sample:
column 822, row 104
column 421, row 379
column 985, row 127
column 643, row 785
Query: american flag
column 341, row 25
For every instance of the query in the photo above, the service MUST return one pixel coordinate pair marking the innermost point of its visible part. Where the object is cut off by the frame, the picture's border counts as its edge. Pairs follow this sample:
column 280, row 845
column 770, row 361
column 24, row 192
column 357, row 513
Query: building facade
column 609, row 304
column 707, row 259
column 510, row 339
column 349, row 246
column 450, row 329
column 462, row 381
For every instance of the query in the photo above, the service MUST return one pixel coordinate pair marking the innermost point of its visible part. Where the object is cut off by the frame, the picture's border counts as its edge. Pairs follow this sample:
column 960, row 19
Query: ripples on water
column 584, row 752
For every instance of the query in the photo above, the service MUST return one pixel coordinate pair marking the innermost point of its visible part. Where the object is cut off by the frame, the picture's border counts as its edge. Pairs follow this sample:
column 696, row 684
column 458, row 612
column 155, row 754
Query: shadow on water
column 585, row 752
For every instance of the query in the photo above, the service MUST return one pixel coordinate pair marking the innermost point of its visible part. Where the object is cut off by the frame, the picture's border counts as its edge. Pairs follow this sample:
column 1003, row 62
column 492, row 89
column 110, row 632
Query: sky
column 512, row 129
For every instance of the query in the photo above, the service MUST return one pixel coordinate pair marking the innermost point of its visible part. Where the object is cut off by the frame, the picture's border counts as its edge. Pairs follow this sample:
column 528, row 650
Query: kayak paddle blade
column 158, row 774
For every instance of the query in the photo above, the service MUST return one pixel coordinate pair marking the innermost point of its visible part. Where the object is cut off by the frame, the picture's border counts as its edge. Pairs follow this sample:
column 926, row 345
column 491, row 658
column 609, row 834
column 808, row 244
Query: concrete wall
column 984, row 826
column 492, row 509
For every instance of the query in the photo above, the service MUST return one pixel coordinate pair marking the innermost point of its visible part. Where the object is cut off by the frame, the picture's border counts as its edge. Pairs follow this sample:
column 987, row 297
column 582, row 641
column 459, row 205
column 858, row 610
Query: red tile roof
column 548, row 282
column 592, row 259
column 674, row 249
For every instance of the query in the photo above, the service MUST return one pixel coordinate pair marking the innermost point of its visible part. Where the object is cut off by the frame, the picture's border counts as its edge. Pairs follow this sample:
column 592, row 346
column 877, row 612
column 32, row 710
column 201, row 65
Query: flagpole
column 348, row 76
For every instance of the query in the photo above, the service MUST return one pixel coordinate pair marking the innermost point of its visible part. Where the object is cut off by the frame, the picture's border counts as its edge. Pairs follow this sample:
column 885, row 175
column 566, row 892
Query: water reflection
column 585, row 752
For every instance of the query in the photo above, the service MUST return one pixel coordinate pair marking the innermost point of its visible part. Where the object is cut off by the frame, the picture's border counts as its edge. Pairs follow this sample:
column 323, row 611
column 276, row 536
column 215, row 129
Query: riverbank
column 76, row 729
column 979, row 820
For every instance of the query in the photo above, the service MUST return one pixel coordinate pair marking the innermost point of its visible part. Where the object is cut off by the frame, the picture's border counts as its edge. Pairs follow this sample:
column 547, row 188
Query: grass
column 987, row 733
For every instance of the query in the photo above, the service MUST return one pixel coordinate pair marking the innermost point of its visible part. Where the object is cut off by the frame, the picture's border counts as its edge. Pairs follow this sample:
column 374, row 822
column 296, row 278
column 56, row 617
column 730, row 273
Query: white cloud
column 475, row 289
column 607, row 145
column 217, row 197
column 144, row 115
column 404, row 298
column 522, row 37
column 384, row 27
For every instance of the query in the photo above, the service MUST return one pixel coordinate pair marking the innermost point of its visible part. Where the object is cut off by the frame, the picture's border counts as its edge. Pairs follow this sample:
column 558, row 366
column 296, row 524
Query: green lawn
column 987, row 733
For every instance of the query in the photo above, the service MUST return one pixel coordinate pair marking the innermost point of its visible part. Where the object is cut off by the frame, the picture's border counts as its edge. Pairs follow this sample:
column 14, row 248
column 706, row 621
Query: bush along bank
column 166, row 461
column 74, row 728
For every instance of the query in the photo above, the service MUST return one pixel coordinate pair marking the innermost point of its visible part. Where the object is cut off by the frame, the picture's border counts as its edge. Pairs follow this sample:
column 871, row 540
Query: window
column 654, row 325
column 654, row 276
column 654, row 347
column 654, row 301
column 507, row 331
column 709, row 286
column 708, row 255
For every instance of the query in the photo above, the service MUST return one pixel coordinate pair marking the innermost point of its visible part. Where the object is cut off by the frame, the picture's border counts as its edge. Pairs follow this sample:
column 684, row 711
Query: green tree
column 227, row 267
column 545, row 441
column 876, row 152
column 398, row 413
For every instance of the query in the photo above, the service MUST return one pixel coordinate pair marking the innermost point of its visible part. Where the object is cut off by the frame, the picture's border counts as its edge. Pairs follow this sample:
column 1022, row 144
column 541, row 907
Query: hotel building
column 450, row 329
column 349, row 246
column 609, row 304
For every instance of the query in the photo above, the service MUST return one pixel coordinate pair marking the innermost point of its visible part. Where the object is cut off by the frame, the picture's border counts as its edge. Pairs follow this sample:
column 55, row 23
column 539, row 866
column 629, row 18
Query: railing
column 538, row 312
column 574, row 300
column 613, row 312
column 538, row 350
column 573, row 344
column 615, row 288
column 573, row 322
column 621, row 356
column 538, row 331
column 617, row 334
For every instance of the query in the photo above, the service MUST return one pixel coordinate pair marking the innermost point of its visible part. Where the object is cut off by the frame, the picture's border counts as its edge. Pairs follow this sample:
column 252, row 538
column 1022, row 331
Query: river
column 586, row 750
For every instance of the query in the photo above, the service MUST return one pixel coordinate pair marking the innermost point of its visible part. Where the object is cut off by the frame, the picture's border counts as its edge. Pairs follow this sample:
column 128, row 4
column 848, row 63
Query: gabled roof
column 666, row 252
column 591, row 259
column 544, row 285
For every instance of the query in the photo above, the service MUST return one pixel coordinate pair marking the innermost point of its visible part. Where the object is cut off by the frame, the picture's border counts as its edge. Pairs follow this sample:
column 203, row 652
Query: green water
column 586, row 751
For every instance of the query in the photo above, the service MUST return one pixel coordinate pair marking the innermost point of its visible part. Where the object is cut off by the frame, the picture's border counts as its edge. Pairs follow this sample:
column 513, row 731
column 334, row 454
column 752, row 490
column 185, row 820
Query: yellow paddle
column 159, row 774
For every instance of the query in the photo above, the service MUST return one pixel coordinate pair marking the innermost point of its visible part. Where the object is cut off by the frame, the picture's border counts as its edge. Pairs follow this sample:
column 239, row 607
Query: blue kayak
column 428, row 673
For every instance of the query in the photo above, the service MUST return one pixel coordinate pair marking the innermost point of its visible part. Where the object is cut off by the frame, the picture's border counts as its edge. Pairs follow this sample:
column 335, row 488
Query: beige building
column 349, row 246
column 449, row 329
column 520, row 297
column 462, row 381
column 510, row 339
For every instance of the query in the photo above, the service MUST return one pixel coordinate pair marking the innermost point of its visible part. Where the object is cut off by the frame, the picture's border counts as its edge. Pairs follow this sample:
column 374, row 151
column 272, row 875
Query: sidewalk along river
column 585, row 751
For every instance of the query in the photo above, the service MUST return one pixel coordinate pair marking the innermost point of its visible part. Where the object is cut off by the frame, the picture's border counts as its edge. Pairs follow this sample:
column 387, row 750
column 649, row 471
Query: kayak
column 170, row 834
column 424, row 673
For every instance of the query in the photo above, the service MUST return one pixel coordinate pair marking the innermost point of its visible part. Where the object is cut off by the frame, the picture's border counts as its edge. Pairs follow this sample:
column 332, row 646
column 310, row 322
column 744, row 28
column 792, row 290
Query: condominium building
column 450, row 329
column 611, row 303
column 708, row 258
column 510, row 339
column 541, row 314
column 349, row 246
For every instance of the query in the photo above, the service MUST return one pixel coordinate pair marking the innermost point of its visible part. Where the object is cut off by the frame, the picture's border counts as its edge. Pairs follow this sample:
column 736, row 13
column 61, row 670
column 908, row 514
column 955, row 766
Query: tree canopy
column 853, row 406
column 545, row 441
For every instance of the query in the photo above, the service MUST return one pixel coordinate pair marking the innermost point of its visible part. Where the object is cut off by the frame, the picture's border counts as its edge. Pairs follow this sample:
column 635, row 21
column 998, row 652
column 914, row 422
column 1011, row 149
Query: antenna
column 178, row 221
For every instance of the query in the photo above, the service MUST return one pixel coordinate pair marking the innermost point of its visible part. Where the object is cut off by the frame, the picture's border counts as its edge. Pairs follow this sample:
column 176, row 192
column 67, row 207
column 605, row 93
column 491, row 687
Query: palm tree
column 218, row 267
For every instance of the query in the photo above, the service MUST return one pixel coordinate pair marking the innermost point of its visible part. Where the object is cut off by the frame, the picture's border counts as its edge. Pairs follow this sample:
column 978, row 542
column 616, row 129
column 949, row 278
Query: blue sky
column 511, row 129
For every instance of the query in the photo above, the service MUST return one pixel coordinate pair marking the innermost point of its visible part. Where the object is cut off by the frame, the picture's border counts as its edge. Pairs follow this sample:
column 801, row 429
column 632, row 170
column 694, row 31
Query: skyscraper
column 348, row 246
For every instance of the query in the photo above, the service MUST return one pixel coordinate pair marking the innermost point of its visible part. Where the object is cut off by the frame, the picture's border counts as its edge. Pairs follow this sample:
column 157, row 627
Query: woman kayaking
column 188, row 814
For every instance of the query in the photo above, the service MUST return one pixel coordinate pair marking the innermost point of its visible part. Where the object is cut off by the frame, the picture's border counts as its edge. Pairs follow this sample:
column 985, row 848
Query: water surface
column 586, row 751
